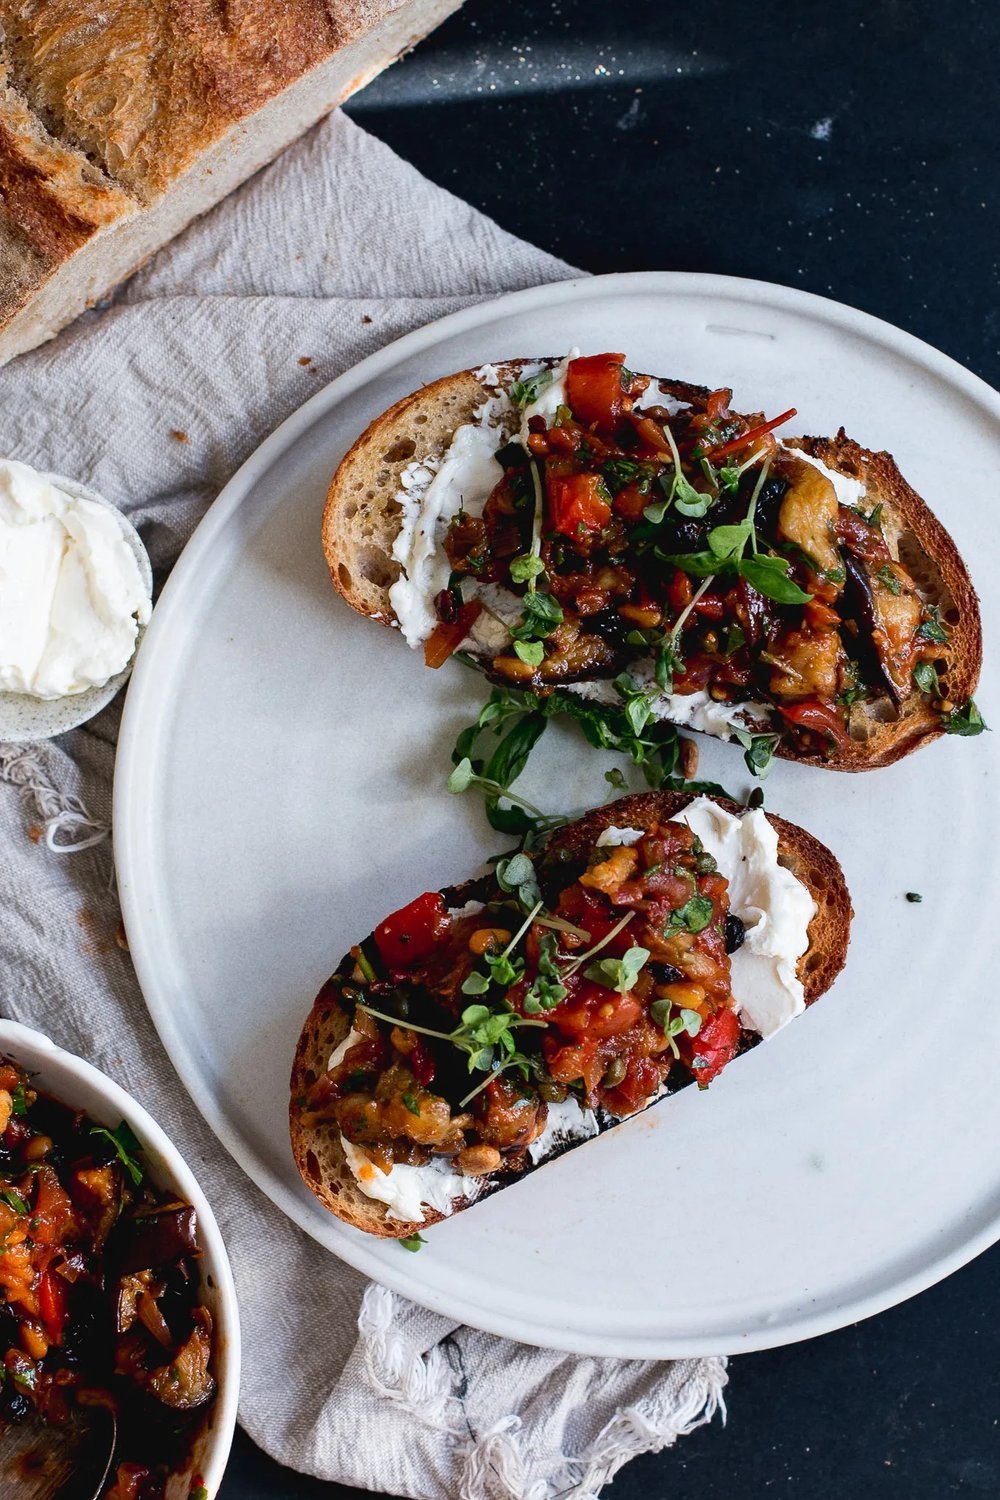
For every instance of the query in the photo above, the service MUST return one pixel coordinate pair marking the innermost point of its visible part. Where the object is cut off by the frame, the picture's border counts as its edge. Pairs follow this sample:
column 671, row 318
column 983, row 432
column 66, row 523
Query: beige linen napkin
column 154, row 400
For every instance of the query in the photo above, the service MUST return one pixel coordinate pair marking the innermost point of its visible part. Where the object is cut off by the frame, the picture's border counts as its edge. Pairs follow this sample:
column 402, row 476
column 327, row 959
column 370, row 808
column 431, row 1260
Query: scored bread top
column 318, row 1149
column 361, row 521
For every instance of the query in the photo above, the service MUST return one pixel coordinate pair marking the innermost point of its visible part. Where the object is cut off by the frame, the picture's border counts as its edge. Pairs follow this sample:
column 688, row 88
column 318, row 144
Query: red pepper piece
column 736, row 443
column 714, row 1046
column 594, row 388
column 51, row 1294
column 577, row 500
column 413, row 931
column 446, row 638
column 820, row 718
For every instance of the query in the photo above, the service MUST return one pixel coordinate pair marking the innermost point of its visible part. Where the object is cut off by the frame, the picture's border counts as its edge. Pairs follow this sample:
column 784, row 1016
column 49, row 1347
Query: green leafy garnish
column 546, row 989
column 13, row 1200
column 410, row 1102
column 412, row 1242
column 526, row 567
column 672, row 1026
column 127, row 1148
column 532, row 653
column 888, row 579
column 19, row 1104
column 758, row 750
column 965, row 720
column 517, row 874
column 619, row 973
column 524, row 392
column 539, row 618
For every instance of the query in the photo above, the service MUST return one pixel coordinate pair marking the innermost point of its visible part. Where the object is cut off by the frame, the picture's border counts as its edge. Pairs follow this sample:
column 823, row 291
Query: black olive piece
column 610, row 626
column 735, row 932
column 683, row 536
column 859, row 605
column 772, row 492
column 512, row 456
column 15, row 1406
column 665, row 974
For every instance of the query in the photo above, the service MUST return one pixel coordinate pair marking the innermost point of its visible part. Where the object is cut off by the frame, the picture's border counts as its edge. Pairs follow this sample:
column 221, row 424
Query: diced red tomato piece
column 51, row 1293
column 413, row 931
column 820, row 718
column 631, row 502
column 446, row 638
column 594, row 388
column 641, row 1080
column 714, row 1046
column 680, row 591
column 52, row 1216
column 578, row 501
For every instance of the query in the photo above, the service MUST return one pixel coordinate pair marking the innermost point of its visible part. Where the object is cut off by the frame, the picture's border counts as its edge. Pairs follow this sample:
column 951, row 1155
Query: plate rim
column 797, row 1326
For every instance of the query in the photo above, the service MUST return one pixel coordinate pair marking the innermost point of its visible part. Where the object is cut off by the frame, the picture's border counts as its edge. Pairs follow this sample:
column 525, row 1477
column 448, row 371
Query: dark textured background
column 851, row 150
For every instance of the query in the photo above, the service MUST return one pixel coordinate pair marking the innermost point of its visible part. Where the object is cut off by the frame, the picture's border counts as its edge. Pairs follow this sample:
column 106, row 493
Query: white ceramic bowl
column 81, row 1086
column 23, row 717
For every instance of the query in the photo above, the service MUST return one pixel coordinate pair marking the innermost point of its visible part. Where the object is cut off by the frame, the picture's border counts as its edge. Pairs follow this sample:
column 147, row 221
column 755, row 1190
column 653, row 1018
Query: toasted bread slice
column 361, row 522
column 318, row 1149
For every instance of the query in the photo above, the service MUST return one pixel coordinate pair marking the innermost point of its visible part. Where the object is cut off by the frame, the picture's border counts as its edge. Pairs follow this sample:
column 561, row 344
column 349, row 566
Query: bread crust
column 318, row 1150
column 109, row 109
column 360, row 523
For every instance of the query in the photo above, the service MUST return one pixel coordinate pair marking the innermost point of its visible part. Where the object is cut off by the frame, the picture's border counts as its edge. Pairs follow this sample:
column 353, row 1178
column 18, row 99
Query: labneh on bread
column 121, row 123
column 483, row 1030
column 576, row 528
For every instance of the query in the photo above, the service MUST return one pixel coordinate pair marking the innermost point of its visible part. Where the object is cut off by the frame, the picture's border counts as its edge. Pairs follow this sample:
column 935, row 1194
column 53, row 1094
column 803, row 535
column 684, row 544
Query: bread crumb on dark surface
column 36, row 834
column 305, row 359
column 178, row 436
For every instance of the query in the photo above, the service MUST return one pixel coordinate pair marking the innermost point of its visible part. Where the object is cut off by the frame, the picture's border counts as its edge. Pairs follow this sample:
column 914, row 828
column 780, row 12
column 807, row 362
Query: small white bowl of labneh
column 75, row 597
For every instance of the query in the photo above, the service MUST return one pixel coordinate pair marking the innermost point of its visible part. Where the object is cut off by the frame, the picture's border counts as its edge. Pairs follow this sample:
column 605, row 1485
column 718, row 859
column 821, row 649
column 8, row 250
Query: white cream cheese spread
column 774, row 906
column 72, row 596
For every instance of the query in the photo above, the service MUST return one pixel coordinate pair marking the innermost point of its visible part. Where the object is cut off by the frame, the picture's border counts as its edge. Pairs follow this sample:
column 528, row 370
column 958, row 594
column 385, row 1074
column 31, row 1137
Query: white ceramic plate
column 280, row 789
column 82, row 1086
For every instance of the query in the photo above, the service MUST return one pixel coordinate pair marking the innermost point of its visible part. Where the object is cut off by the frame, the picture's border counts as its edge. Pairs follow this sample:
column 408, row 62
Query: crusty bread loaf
column 121, row 122
column 361, row 519
column 318, row 1150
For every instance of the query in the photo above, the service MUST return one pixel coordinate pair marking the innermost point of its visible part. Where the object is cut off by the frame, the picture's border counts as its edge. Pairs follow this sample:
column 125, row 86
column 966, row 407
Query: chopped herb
column 412, row 1242
column 926, row 678
column 19, row 1104
column 619, row 973
column 733, row 640
column 616, row 779
column 914, row 896
column 888, row 579
column 411, row 1103
column 693, row 916
column 13, row 1200
column 127, row 1148
column 932, row 629
column 965, row 720
column 620, row 472
column 524, row 392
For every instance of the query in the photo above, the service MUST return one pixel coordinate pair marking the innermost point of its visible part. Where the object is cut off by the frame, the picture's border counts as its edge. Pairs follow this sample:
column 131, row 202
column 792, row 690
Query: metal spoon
column 69, row 1462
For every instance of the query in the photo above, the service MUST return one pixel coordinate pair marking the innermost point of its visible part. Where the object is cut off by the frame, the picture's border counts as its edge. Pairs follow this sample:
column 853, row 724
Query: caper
column 552, row 1092
column 615, row 1073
